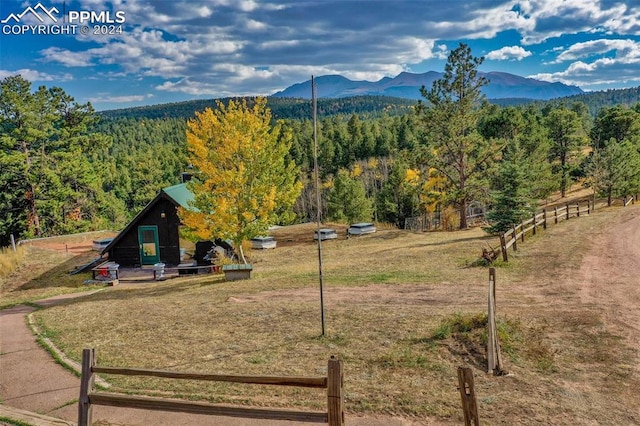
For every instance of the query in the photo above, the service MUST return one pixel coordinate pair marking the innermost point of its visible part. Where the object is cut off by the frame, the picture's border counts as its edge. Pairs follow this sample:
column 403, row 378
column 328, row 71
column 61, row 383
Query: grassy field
column 40, row 269
column 403, row 310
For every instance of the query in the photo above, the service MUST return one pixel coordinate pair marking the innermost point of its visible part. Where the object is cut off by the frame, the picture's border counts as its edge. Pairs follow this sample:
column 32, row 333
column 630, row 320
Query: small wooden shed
column 153, row 235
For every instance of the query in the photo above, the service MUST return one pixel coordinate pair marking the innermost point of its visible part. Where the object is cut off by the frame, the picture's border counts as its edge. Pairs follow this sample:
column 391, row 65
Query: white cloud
column 239, row 72
column 553, row 18
column 508, row 52
column 147, row 52
column 254, row 25
column 279, row 44
column 377, row 72
column 35, row 75
column 623, row 48
column 203, row 11
column 597, row 63
column 67, row 58
column 247, row 5
column 118, row 99
column 227, row 47
column 441, row 52
column 413, row 50
column 199, row 88
column 600, row 72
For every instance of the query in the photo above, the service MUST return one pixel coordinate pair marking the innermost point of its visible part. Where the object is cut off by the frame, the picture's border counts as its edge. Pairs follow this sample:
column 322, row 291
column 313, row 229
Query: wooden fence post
column 588, row 206
column 555, row 214
column 534, row 223
column 544, row 218
column 494, row 359
column 86, row 387
column 335, row 395
column 515, row 238
column 503, row 246
column 568, row 211
column 468, row 395
column 522, row 229
column 578, row 209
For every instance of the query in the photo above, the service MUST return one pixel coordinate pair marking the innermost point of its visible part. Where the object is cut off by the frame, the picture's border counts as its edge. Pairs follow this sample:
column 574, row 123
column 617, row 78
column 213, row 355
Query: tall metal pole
column 318, row 207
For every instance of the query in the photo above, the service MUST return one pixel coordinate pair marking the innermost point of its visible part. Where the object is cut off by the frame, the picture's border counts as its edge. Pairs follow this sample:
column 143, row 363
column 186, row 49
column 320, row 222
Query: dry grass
column 42, row 272
column 403, row 310
column 10, row 260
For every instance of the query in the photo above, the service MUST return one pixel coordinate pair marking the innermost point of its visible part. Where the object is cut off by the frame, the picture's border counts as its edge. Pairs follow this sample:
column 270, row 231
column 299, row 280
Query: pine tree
column 454, row 146
column 512, row 198
column 47, row 142
column 566, row 133
column 619, row 123
column 347, row 200
column 614, row 170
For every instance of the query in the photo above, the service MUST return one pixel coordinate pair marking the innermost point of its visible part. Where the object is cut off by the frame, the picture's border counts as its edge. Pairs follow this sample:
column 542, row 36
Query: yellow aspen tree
column 432, row 190
column 244, row 180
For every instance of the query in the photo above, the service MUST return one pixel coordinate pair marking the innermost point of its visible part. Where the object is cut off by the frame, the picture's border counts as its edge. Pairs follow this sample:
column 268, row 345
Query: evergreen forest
column 66, row 168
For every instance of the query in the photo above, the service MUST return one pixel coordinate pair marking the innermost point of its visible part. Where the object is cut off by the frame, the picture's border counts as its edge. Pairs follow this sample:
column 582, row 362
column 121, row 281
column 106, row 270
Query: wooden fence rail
column 518, row 232
column 333, row 382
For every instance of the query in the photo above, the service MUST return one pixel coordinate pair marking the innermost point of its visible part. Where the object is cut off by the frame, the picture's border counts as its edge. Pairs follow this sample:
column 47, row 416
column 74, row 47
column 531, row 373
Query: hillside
column 300, row 109
column 595, row 101
column 366, row 106
column 397, row 324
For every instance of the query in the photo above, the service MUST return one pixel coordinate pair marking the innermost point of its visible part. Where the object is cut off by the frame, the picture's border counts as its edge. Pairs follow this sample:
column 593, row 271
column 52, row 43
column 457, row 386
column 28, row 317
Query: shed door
column 149, row 245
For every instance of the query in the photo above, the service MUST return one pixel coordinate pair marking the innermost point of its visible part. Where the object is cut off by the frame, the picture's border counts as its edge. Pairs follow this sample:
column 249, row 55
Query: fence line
column 518, row 232
column 62, row 236
column 434, row 221
column 333, row 382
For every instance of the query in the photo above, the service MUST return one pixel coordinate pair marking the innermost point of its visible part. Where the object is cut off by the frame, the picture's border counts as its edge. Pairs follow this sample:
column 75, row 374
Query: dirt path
column 609, row 279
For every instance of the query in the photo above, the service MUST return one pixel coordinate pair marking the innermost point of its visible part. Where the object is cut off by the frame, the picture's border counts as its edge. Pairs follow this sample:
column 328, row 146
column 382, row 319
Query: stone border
column 60, row 356
column 33, row 419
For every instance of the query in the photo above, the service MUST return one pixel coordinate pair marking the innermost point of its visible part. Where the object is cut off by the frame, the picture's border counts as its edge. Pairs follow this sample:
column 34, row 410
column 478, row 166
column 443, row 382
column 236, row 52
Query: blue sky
column 168, row 51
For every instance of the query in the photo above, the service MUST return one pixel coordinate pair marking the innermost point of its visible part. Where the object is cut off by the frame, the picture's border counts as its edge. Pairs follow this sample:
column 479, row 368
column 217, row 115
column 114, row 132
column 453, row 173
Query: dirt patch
column 371, row 295
column 73, row 244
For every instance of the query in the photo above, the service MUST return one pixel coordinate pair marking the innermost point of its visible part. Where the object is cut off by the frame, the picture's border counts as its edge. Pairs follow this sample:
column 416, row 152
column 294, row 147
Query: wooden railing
column 89, row 397
column 531, row 226
column 630, row 200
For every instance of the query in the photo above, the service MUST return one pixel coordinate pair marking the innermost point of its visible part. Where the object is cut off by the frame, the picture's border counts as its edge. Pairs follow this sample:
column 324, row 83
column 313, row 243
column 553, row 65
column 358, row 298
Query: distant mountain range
column 407, row 85
column 365, row 106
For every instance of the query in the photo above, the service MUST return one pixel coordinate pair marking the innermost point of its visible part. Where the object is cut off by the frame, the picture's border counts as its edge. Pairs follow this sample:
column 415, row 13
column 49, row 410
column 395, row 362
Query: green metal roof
column 180, row 194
